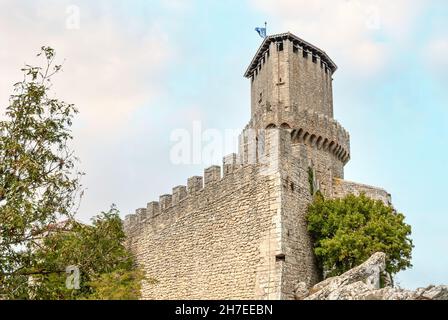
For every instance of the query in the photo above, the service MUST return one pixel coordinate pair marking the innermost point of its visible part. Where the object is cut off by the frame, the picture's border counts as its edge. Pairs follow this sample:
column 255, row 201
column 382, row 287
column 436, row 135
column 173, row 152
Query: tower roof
column 282, row 36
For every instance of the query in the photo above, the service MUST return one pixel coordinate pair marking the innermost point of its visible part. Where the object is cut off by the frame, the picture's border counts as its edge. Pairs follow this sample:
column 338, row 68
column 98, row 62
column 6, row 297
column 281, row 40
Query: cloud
column 353, row 32
column 110, row 68
column 177, row 5
column 115, row 59
column 436, row 53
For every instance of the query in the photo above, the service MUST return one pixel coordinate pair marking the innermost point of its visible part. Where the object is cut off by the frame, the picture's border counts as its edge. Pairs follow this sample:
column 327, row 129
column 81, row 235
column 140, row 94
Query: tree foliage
column 107, row 268
column 347, row 231
column 38, row 180
column 39, row 188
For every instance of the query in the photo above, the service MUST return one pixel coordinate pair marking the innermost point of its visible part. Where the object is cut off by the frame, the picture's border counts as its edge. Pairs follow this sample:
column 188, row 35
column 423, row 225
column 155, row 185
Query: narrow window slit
column 280, row 257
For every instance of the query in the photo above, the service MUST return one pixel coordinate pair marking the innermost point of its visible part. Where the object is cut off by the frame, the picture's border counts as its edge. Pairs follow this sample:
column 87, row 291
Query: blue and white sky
column 139, row 69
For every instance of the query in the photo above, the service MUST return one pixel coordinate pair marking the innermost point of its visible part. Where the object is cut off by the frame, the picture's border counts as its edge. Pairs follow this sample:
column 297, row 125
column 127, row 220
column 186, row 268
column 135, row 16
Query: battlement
column 342, row 188
column 157, row 211
column 289, row 75
column 321, row 132
column 214, row 179
column 229, row 223
column 298, row 44
column 311, row 128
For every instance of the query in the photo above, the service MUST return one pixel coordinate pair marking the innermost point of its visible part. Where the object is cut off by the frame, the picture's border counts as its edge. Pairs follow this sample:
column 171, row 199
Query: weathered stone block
column 195, row 184
column 229, row 163
column 212, row 174
column 179, row 193
column 165, row 201
column 130, row 220
column 141, row 214
column 152, row 209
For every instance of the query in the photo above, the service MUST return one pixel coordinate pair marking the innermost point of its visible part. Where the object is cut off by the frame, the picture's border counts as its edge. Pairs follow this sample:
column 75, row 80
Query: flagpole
column 266, row 28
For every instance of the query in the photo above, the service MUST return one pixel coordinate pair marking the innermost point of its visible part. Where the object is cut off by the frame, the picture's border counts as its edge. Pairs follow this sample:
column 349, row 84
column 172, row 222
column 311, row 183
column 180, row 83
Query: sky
column 139, row 70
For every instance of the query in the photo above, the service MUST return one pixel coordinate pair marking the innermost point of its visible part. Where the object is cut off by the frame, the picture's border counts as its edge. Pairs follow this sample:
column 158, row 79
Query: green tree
column 38, row 180
column 39, row 188
column 347, row 231
column 107, row 268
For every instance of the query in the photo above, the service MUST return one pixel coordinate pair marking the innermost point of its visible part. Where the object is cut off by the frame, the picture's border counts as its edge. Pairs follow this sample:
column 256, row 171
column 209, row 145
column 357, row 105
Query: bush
column 347, row 231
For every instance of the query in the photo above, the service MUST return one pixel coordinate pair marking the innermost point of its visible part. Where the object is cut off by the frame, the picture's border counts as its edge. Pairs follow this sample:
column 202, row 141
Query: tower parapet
column 289, row 75
column 291, row 89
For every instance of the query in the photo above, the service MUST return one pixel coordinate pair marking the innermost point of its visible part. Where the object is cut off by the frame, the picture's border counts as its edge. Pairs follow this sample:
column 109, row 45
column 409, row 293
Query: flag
column 261, row 32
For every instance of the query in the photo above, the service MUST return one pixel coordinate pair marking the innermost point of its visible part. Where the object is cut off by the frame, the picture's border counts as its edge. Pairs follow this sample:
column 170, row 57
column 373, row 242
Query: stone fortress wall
column 214, row 240
column 240, row 232
column 235, row 233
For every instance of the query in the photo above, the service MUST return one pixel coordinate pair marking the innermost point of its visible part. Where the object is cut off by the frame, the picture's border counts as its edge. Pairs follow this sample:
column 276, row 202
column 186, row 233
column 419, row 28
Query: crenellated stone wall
column 216, row 244
column 240, row 232
column 217, row 239
column 342, row 188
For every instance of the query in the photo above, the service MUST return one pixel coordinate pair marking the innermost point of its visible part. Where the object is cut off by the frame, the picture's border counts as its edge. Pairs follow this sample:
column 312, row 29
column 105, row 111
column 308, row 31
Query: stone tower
column 240, row 232
column 291, row 88
column 289, row 75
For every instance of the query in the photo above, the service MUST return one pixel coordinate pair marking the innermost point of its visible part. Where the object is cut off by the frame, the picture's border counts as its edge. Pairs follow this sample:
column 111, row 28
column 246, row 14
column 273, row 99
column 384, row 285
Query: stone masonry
column 239, row 232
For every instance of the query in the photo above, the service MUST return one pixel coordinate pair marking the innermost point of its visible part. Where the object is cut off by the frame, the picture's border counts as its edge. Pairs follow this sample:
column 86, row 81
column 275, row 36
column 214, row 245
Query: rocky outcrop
column 363, row 283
